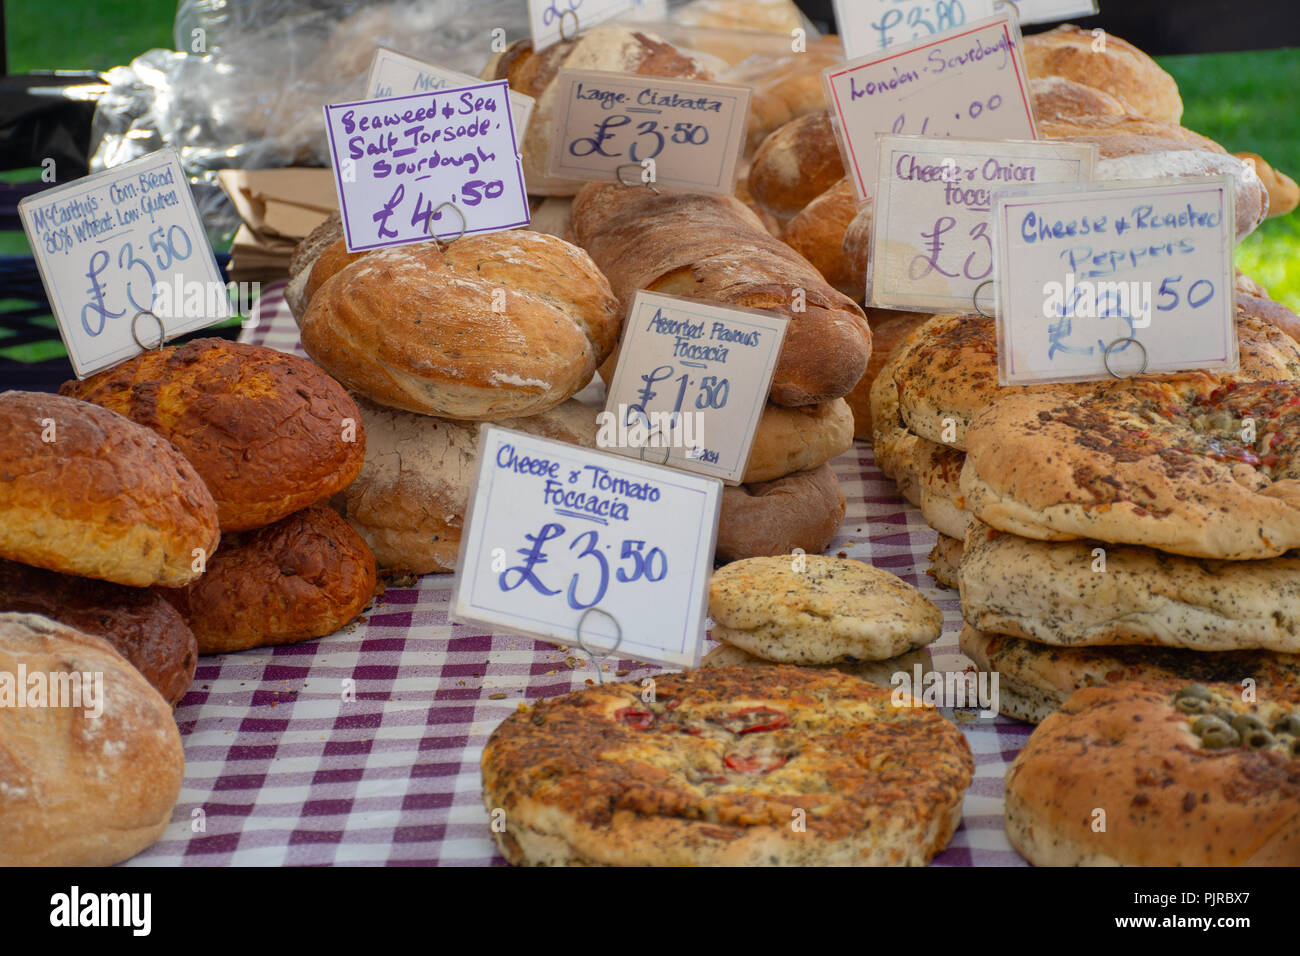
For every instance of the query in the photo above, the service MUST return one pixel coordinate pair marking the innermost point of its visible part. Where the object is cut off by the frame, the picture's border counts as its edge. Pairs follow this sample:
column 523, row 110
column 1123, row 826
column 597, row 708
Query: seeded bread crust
column 717, row 769
column 1168, row 801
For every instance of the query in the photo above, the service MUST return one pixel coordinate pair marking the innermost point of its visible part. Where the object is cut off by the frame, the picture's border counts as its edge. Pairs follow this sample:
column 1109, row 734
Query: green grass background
column 1245, row 101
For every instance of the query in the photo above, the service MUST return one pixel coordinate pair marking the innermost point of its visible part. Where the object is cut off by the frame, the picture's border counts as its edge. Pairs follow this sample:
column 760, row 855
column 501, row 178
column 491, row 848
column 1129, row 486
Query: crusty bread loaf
column 715, row 249
column 138, row 622
column 741, row 192
column 270, row 433
column 498, row 325
column 818, row 234
column 85, row 491
column 795, row 165
column 608, row 48
column 1115, row 66
column 409, row 501
column 78, row 789
column 1059, row 100
column 784, row 87
column 889, row 330
column 1283, row 193
column 856, row 245
column 803, row 510
column 797, row 439
column 303, row 577
column 770, row 16
column 298, row 292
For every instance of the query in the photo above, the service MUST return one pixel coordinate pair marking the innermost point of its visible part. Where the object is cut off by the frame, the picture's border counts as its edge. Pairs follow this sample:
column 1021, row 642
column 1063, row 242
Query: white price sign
column 393, row 74
column 1052, row 11
column 869, row 25
column 582, row 548
column 122, row 242
column 691, row 384
column 444, row 164
column 969, row 84
column 554, row 20
column 683, row 134
column 932, row 221
column 1115, row 279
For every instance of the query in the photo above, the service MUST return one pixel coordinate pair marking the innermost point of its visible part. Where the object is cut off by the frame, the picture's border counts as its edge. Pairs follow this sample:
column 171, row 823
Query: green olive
column 1245, row 723
column 1224, row 714
column 1203, row 724
column 1287, row 724
column 1258, row 739
column 1191, row 705
column 1216, row 738
column 1198, row 691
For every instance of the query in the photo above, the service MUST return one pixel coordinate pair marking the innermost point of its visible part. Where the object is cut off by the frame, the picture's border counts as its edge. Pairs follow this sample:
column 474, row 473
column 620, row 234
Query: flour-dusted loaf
column 85, row 491
column 269, row 432
column 803, row 510
column 812, row 609
column 1177, row 783
column 1283, row 192
column 492, row 326
column 1069, row 593
column 297, row 292
column 1035, row 679
column 607, row 48
column 139, row 622
column 77, row 787
column 713, row 248
column 409, row 501
column 1109, row 64
column 795, row 165
column 303, row 577
column 818, row 234
column 715, row 770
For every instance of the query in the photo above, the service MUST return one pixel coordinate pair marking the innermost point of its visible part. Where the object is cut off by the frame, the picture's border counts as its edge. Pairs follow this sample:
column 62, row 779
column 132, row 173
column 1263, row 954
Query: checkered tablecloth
column 282, row 769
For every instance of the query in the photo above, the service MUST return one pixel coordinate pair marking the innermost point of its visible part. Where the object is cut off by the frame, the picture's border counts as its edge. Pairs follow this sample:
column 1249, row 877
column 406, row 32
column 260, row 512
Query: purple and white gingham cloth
column 286, row 763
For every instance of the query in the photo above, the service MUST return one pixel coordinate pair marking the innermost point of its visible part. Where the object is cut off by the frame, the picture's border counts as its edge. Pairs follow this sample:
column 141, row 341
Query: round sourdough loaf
column 817, row 233
column 1060, row 100
column 303, row 577
column 803, row 510
column 811, row 609
column 493, row 326
column 788, row 440
column 1069, row 593
column 409, row 501
column 77, row 787
column 795, row 165
column 270, row 433
column 715, row 770
column 138, row 622
column 1169, row 799
column 305, row 254
column 607, row 48
column 1283, row 193
column 1117, row 67
column 1035, row 679
column 85, row 491
column 1155, row 463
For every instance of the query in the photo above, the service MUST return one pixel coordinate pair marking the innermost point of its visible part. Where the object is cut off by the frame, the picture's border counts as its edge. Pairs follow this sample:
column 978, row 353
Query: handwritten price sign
column 932, row 239
column 110, row 246
column 970, row 84
column 1122, row 277
column 681, row 133
column 392, row 74
column 869, row 25
column 691, row 384
column 1052, row 11
column 553, row 20
column 399, row 161
column 558, row 537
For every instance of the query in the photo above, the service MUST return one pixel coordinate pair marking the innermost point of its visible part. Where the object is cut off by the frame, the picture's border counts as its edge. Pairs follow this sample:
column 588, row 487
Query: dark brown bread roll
column 803, row 510
column 270, row 433
column 138, row 622
column 303, row 577
column 85, row 491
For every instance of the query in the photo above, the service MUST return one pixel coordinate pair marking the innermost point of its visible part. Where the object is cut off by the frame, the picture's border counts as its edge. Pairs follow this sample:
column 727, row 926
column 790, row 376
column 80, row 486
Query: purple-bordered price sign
column 401, row 164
